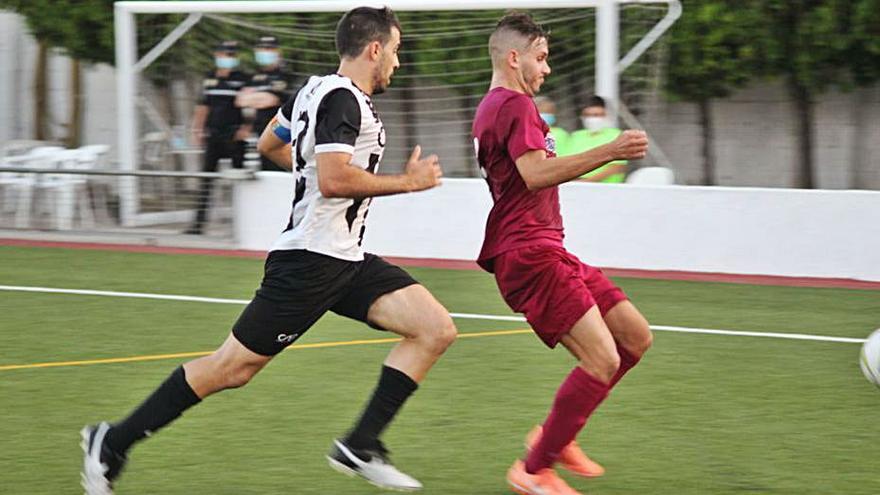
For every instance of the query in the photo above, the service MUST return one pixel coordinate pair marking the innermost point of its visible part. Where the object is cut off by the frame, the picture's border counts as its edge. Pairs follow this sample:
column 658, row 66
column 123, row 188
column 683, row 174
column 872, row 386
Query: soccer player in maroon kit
column 564, row 300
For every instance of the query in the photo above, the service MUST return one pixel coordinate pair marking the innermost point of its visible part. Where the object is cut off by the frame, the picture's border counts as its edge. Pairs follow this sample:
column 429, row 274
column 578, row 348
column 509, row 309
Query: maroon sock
column 577, row 398
column 627, row 361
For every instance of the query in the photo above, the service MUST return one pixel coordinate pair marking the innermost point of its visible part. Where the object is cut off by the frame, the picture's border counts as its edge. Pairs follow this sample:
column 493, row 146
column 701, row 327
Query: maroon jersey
column 506, row 126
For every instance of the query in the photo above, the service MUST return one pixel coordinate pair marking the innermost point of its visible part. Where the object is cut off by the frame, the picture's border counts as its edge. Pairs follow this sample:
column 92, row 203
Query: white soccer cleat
column 371, row 465
column 97, row 475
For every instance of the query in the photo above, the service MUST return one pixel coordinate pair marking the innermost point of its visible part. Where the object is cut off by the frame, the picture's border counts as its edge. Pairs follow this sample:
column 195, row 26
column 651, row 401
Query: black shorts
column 300, row 286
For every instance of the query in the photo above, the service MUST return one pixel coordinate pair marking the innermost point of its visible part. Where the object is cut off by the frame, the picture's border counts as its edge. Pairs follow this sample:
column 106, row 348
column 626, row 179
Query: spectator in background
column 218, row 124
column 596, row 132
column 547, row 109
column 266, row 91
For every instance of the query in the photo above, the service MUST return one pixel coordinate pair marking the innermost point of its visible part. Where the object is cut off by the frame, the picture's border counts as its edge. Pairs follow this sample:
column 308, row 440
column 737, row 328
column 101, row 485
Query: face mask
column 226, row 62
column 266, row 58
column 549, row 118
column 593, row 123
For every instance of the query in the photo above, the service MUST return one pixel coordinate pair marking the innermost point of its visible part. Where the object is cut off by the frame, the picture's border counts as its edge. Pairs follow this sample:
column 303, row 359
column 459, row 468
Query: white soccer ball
column 869, row 359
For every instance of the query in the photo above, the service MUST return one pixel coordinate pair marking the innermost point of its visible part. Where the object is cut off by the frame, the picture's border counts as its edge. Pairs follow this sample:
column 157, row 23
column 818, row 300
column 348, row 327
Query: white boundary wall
column 702, row 229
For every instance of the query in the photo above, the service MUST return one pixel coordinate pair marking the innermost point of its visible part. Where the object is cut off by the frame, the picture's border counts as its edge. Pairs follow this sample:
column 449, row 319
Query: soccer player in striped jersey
column 332, row 137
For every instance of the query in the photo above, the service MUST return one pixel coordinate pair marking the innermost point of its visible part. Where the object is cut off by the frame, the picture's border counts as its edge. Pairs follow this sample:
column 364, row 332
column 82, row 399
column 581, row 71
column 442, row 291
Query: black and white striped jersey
column 329, row 114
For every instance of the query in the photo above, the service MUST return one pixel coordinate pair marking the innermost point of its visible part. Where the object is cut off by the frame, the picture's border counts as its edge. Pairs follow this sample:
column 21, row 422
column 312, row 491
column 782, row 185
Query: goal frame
column 609, row 64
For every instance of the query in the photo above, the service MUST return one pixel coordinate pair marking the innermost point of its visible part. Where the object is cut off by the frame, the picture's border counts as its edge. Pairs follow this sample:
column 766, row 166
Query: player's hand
column 630, row 145
column 423, row 173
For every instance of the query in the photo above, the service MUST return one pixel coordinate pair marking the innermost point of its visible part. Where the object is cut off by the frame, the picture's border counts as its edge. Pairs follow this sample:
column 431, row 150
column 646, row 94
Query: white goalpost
column 599, row 20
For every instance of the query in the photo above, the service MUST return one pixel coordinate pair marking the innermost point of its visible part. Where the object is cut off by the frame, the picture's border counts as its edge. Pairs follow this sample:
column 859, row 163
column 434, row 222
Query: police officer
column 218, row 123
column 267, row 90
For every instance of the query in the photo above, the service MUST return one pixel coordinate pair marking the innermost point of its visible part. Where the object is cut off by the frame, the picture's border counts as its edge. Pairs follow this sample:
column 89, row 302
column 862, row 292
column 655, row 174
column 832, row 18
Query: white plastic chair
column 14, row 154
column 652, row 176
column 24, row 185
column 64, row 194
column 94, row 157
column 71, row 192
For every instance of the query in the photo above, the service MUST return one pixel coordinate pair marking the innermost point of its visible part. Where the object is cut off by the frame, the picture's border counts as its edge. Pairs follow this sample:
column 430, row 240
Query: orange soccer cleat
column 572, row 458
column 544, row 482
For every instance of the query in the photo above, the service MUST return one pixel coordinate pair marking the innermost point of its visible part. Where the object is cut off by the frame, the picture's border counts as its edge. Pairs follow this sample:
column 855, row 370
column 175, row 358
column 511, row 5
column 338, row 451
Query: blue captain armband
column 282, row 132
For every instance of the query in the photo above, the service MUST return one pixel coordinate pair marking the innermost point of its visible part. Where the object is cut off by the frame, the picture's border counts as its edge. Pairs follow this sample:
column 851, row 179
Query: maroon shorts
column 552, row 288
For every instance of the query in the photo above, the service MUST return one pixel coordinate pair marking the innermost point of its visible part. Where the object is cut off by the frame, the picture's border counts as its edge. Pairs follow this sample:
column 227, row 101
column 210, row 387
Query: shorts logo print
column 284, row 338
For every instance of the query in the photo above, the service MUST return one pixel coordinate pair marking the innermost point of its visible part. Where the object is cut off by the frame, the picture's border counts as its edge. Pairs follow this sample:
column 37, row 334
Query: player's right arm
column 274, row 144
column 519, row 125
column 538, row 171
column 337, row 127
column 338, row 178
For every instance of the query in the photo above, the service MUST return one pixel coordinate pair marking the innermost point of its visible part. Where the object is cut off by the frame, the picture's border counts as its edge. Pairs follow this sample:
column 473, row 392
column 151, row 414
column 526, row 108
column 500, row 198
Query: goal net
column 164, row 49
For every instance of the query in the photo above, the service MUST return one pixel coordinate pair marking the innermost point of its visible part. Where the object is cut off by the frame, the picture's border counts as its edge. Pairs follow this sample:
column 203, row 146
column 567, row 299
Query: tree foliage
column 713, row 50
column 864, row 53
column 82, row 28
column 810, row 45
column 814, row 45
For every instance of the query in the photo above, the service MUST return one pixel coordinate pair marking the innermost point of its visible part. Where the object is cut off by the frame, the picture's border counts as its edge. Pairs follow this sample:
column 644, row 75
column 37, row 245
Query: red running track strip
column 843, row 283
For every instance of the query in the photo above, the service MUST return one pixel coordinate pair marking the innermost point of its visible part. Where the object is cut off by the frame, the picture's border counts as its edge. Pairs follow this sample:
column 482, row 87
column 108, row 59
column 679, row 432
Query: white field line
column 214, row 300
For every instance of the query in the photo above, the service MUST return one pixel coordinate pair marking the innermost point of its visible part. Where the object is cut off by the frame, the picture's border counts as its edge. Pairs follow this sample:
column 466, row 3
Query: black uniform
column 224, row 119
column 221, row 124
column 273, row 81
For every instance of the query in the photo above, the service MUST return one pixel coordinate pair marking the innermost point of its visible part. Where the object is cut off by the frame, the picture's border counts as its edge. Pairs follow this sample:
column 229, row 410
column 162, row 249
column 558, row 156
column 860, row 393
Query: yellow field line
column 155, row 357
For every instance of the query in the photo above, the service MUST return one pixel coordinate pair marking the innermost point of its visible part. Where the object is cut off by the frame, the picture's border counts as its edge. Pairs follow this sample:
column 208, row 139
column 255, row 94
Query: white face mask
column 594, row 123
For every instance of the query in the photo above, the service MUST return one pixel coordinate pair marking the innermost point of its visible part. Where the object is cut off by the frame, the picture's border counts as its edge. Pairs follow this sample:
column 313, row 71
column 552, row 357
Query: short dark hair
column 362, row 26
column 523, row 24
column 595, row 101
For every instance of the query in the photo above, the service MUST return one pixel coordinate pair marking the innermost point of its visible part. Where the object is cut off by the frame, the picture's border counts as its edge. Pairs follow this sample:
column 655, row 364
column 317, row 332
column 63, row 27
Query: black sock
column 392, row 391
column 167, row 403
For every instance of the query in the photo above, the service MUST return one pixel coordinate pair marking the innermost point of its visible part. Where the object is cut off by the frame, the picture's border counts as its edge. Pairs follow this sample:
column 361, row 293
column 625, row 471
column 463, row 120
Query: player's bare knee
column 641, row 340
column 637, row 339
column 610, row 365
column 447, row 334
column 441, row 335
column 231, row 372
column 239, row 376
column 646, row 341
column 603, row 367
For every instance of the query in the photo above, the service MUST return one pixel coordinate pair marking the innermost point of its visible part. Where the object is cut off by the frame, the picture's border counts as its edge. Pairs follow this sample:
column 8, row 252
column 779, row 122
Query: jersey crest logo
column 550, row 143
